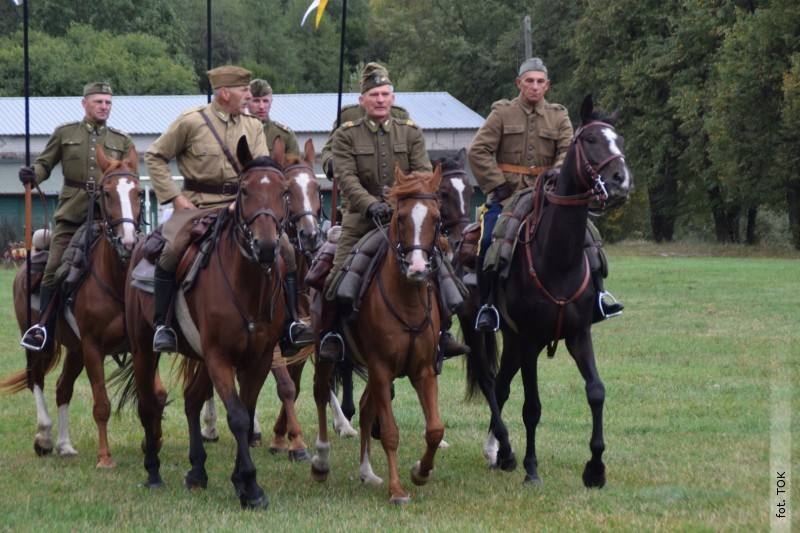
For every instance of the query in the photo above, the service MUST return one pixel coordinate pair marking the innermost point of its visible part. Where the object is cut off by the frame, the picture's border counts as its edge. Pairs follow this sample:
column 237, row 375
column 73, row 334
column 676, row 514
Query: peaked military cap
column 533, row 63
column 228, row 76
column 97, row 87
column 374, row 75
column 260, row 88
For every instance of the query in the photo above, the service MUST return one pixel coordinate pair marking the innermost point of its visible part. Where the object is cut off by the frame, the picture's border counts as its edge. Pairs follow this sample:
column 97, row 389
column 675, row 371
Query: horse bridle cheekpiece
column 109, row 225
column 400, row 250
column 242, row 223
column 291, row 221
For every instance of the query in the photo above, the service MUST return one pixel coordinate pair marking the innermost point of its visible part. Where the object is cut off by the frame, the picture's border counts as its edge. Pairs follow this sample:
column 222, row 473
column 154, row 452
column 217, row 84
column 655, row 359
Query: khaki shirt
column 274, row 130
column 365, row 155
column 199, row 155
column 351, row 113
column 73, row 145
column 514, row 133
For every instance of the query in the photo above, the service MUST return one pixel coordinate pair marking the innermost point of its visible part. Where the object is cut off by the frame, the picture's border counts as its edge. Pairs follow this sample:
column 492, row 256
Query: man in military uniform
column 74, row 146
column 519, row 140
column 260, row 106
column 297, row 333
column 363, row 178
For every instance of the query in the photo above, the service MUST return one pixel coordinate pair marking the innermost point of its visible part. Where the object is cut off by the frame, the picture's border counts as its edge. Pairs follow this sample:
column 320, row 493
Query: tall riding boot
column 602, row 308
column 164, row 338
column 448, row 346
column 331, row 347
column 296, row 334
column 40, row 335
column 488, row 319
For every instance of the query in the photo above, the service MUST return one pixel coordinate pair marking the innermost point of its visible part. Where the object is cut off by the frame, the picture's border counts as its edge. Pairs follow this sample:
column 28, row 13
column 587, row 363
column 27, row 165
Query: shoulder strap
column 231, row 160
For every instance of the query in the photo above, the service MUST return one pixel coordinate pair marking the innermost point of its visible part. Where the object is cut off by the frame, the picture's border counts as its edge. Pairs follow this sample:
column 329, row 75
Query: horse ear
column 612, row 119
column 436, row 178
column 310, row 154
column 461, row 158
column 132, row 161
column 243, row 152
column 102, row 161
column 399, row 177
column 278, row 151
column 586, row 109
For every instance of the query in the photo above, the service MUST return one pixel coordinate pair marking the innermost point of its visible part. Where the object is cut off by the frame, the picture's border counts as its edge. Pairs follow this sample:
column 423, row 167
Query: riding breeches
column 353, row 229
column 176, row 236
column 62, row 233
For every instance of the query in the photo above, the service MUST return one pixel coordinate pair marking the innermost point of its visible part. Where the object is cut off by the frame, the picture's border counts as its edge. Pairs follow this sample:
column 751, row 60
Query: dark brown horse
column 548, row 295
column 395, row 334
column 455, row 195
column 231, row 320
column 94, row 326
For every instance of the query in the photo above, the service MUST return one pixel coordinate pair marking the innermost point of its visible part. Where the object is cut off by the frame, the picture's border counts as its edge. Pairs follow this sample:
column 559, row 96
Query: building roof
column 306, row 113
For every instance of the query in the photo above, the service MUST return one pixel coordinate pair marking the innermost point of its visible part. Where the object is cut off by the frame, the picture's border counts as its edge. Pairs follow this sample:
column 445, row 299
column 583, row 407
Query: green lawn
column 701, row 377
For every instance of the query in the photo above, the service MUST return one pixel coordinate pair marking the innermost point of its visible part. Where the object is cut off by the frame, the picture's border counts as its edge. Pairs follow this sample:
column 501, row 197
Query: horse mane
column 263, row 161
column 417, row 182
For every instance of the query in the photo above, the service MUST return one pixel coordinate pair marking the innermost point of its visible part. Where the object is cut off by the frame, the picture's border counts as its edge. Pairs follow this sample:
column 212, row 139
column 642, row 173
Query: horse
column 232, row 321
column 548, row 295
column 455, row 196
column 394, row 334
column 95, row 325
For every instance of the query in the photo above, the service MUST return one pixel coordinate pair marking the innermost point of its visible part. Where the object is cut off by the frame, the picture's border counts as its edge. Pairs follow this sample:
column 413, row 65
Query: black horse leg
column 531, row 414
column 150, row 411
column 250, row 494
column 348, row 404
column 195, row 394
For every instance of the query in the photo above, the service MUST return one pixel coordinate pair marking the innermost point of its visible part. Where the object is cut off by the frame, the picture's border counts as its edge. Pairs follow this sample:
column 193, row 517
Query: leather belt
column 85, row 185
column 516, row 169
column 377, row 191
column 226, row 189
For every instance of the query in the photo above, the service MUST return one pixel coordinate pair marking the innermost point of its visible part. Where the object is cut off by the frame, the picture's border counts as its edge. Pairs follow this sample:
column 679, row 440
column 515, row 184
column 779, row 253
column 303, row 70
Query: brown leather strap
column 377, row 191
column 226, row 189
column 84, row 185
column 231, row 160
column 528, row 171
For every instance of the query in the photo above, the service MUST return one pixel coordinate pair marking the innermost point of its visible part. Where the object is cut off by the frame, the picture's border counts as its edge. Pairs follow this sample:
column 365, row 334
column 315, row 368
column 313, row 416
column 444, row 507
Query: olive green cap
column 260, row 88
column 97, row 87
column 228, row 76
column 533, row 63
column 374, row 75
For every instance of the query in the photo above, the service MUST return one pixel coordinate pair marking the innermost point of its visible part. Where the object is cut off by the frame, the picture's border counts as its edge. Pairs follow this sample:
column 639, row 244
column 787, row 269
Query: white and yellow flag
column 319, row 5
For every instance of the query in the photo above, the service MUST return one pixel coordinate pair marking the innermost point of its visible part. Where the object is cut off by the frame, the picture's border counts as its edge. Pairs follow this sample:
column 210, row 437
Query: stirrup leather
column 488, row 309
column 29, row 338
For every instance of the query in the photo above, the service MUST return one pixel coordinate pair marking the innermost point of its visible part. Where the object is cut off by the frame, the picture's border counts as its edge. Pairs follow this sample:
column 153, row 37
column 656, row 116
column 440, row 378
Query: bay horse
column 455, row 196
column 395, row 334
column 548, row 295
column 94, row 326
column 236, row 306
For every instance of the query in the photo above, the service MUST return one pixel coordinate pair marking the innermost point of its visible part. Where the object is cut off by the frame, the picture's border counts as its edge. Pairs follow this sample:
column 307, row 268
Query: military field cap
column 260, row 88
column 97, row 87
column 228, row 76
column 533, row 63
column 374, row 75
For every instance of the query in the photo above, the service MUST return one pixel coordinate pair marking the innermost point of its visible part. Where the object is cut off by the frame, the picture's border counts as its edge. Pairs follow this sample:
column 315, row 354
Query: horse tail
column 188, row 369
column 18, row 381
column 122, row 382
column 482, row 362
column 300, row 357
column 345, row 370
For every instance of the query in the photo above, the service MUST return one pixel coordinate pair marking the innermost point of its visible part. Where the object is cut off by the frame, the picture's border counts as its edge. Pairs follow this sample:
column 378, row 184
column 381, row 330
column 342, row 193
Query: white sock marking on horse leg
column 366, row 474
column 63, row 445
column 210, row 419
column 341, row 425
column 321, row 460
column 44, row 424
column 490, row 448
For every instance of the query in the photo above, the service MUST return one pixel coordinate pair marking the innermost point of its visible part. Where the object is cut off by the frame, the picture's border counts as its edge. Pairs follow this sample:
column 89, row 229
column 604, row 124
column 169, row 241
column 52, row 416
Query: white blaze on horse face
column 265, row 179
column 304, row 180
column 458, row 184
column 124, row 188
column 418, row 262
column 611, row 136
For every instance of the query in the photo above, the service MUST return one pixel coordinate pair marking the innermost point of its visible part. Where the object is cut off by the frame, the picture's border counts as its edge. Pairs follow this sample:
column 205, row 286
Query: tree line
column 709, row 90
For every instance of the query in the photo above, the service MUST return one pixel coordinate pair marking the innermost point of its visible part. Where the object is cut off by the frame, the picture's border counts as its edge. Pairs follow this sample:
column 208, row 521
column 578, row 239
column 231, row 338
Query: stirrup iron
column 165, row 345
column 614, row 302
column 488, row 309
column 34, row 331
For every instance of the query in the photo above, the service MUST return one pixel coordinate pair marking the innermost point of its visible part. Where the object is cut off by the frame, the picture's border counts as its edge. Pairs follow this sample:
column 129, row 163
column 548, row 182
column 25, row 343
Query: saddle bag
column 506, row 231
column 202, row 226
column 467, row 250
column 347, row 284
column 153, row 244
column 452, row 290
column 74, row 262
column 38, row 262
column 321, row 266
column 598, row 262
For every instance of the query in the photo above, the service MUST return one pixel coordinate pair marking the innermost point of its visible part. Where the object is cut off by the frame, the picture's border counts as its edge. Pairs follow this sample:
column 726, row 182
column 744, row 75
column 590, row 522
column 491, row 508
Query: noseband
column 109, row 225
column 400, row 250
column 242, row 222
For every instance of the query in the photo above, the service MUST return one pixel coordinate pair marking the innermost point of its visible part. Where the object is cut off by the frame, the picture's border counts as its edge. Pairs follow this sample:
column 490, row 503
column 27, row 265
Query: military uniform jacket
column 274, row 130
column 515, row 133
column 74, row 146
column 351, row 113
column 199, row 155
column 365, row 154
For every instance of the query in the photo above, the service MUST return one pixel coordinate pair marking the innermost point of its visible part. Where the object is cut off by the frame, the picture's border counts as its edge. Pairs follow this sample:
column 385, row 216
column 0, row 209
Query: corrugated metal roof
column 306, row 113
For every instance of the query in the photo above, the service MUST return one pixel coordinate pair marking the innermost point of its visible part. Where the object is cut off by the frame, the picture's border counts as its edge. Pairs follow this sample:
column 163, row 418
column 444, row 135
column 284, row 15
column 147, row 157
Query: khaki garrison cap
column 97, row 87
column 374, row 75
column 228, row 76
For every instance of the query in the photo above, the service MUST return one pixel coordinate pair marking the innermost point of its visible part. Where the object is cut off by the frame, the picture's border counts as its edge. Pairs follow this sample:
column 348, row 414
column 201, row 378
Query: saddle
column 77, row 258
column 38, row 262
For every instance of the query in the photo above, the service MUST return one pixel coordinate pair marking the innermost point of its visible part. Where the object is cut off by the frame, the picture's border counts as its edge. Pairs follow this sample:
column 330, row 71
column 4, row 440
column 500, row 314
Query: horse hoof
column 507, row 464
column 152, row 485
column 533, row 481
column 319, row 474
column 299, row 456
column 416, row 477
column 194, row 481
column 401, row 500
column 255, row 441
column 106, row 463
column 275, row 450
column 594, row 477
column 214, row 438
column 443, row 444
column 41, row 451
column 257, row 503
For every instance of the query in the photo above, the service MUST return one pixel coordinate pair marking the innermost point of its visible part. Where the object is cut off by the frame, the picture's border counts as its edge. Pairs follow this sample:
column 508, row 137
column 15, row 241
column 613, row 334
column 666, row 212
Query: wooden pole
column 334, row 187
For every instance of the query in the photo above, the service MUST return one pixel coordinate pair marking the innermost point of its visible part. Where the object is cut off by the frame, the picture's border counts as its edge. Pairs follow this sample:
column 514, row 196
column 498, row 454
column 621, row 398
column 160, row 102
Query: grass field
column 701, row 408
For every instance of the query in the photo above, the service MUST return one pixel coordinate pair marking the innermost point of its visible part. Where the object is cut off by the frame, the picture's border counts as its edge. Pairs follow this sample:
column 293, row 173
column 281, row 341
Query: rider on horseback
column 519, row 140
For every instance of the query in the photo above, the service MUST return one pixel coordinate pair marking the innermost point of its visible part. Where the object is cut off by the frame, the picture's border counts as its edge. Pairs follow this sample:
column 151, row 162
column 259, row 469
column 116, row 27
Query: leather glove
column 379, row 209
column 27, row 175
column 501, row 193
column 327, row 166
column 551, row 174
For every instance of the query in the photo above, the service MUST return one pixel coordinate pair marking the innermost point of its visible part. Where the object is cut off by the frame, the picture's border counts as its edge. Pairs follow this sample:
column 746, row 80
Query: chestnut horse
column 395, row 334
column 235, row 314
column 95, row 325
column 548, row 295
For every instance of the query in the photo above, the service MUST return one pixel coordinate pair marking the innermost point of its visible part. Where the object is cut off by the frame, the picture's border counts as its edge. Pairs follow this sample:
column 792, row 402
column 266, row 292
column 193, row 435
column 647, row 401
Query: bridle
column 98, row 192
column 400, row 250
column 242, row 222
column 290, row 220
column 450, row 224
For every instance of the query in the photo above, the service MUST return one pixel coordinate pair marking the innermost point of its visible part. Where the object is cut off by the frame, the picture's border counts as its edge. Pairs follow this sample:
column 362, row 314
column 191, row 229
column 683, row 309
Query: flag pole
column 335, row 188
column 208, row 48
column 28, row 207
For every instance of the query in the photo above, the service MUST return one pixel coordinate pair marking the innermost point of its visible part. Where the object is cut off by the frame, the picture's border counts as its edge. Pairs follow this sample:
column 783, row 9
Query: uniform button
column 383, row 154
column 530, row 158
column 530, row 148
column 383, row 164
column 531, row 129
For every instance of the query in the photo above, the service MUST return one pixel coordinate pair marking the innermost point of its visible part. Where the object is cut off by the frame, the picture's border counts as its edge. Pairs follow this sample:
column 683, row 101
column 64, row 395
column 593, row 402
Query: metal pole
column 28, row 207
column 528, row 46
column 335, row 188
column 208, row 48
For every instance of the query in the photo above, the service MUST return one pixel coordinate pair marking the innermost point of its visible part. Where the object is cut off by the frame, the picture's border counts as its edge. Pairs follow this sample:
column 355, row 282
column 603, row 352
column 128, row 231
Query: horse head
column 121, row 201
column 259, row 206
column 455, row 195
column 600, row 165
column 414, row 228
column 304, row 199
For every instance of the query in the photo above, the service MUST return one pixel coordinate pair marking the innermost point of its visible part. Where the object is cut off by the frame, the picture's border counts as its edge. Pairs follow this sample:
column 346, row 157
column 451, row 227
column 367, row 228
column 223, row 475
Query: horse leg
column 531, row 413
column 366, row 417
column 150, row 409
column 594, row 474
column 101, row 410
column 509, row 366
column 195, row 394
column 341, row 425
column 65, row 387
column 210, row 432
column 348, row 404
column 298, row 451
column 427, row 387
column 320, row 463
column 255, row 438
column 379, row 384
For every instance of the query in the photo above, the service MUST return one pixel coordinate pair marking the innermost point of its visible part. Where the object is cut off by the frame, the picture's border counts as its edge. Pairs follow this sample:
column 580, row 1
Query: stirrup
column 494, row 317
column 165, row 339
column 332, row 336
column 30, row 340
column 615, row 305
column 300, row 334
